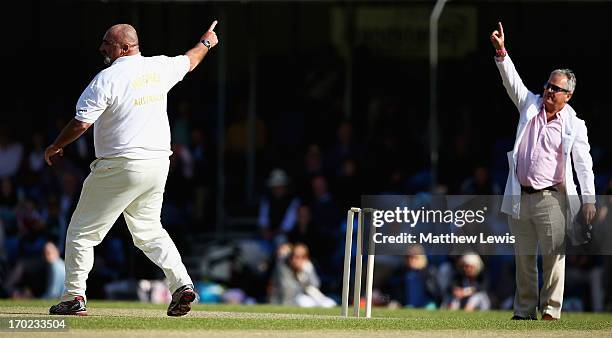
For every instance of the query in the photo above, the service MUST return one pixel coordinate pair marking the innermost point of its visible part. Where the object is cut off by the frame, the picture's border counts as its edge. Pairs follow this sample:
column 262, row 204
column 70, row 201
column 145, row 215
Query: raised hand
column 497, row 37
column 210, row 35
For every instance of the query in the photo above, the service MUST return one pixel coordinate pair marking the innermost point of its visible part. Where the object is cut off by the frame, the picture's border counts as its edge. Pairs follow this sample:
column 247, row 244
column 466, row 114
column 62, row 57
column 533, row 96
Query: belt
column 531, row 190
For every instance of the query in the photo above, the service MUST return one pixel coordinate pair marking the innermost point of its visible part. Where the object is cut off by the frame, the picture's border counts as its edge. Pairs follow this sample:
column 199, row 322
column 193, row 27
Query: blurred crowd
column 310, row 169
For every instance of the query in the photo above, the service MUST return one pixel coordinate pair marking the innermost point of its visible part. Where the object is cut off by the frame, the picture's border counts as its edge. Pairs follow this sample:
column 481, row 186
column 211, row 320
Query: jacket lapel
column 568, row 131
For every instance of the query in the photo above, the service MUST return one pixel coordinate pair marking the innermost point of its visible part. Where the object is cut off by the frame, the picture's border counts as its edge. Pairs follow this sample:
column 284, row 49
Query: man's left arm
column 72, row 131
column 583, row 165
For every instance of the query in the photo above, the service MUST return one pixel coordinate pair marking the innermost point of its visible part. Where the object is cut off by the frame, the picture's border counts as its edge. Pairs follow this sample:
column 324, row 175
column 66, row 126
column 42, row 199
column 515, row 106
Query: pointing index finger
column 212, row 26
column 501, row 28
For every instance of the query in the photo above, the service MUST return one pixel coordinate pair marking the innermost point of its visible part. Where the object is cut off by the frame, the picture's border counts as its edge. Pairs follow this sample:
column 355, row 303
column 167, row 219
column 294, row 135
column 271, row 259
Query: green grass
column 106, row 315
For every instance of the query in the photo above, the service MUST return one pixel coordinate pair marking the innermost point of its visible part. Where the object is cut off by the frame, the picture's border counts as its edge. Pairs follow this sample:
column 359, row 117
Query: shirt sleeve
column 518, row 92
column 178, row 66
column 583, row 164
column 92, row 103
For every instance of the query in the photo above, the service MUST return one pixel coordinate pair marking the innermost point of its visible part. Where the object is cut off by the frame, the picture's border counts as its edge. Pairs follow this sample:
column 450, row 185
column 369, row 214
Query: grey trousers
column 541, row 224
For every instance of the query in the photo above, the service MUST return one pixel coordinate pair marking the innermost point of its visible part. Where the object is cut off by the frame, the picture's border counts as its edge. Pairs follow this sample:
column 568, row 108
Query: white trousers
column 115, row 186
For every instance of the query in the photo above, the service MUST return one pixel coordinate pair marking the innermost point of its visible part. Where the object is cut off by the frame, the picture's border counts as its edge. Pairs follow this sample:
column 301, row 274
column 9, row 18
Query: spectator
column 41, row 276
column 10, row 154
column 302, row 231
column 33, row 171
column 326, row 227
column 35, row 161
column 295, row 281
column 469, row 291
column 30, row 229
column 277, row 210
column 55, row 272
column 414, row 283
column 480, row 183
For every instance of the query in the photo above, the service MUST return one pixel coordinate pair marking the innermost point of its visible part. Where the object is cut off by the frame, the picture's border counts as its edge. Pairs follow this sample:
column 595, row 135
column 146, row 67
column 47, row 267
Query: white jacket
column 575, row 145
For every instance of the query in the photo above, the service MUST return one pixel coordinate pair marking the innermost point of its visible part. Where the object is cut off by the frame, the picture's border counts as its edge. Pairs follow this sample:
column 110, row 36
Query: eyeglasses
column 554, row 88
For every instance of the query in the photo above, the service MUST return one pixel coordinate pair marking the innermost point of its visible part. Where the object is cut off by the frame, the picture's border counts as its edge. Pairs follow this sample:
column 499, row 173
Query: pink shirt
column 540, row 156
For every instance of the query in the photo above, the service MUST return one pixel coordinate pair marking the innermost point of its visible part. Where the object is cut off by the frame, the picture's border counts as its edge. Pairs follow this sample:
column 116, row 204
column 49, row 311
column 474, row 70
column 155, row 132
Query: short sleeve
column 178, row 66
column 92, row 102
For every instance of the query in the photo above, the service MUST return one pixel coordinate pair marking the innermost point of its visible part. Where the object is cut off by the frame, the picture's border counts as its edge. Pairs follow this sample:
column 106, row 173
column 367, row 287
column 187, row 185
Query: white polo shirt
column 127, row 104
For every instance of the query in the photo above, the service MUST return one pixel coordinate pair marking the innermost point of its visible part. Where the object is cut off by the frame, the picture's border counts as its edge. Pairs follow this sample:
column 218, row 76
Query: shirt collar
column 126, row 58
column 560, row 114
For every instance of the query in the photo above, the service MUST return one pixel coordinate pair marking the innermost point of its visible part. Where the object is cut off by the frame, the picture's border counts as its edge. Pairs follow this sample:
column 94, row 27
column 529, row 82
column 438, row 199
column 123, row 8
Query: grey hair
column 571, row 77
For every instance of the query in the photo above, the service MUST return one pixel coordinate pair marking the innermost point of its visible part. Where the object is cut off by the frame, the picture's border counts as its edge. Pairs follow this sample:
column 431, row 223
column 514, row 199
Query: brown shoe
column 546, row 316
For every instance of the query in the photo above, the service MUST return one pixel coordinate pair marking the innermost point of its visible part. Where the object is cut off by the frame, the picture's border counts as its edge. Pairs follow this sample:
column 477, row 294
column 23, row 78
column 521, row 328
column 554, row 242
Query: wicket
column 358, row 264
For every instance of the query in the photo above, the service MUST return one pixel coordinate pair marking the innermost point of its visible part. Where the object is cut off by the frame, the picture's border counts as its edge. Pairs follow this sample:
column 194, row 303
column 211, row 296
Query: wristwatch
column 206, row 43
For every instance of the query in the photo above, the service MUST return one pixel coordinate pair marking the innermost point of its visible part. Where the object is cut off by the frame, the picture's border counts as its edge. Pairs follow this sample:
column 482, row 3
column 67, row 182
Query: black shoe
column 517, row 317
column 181, row 301
column 75, row 307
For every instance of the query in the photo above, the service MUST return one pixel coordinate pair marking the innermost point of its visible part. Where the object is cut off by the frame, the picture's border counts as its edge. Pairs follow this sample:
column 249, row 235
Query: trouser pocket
column 93, row 164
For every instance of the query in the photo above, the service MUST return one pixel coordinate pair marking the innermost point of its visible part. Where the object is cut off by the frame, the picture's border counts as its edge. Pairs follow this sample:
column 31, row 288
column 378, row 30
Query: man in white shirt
column 541, row 198
column 126, row 103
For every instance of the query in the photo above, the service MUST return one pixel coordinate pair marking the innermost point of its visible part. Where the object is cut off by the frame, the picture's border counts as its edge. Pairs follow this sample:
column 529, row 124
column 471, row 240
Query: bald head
column 122, row 34
column 119, row 40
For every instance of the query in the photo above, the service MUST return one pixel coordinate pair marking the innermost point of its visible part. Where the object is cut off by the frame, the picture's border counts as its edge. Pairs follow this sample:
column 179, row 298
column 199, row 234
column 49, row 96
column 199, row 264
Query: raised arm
column 512, row 81
column 199, row 51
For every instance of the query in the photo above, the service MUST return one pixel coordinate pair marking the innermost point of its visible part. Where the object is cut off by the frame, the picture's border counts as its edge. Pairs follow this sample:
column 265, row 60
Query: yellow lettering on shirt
column 149, row 99
column 145, row 80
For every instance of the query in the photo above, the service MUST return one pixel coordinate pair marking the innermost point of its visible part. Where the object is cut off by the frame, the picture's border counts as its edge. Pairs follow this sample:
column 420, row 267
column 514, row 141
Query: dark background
column 280, row 62
column 50, row 54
